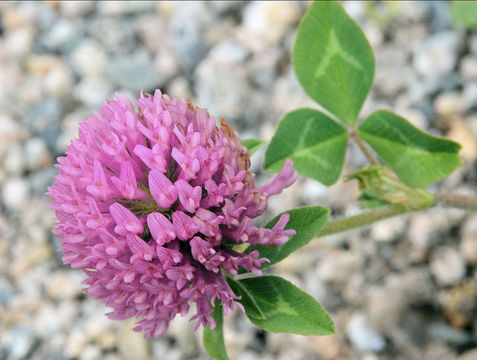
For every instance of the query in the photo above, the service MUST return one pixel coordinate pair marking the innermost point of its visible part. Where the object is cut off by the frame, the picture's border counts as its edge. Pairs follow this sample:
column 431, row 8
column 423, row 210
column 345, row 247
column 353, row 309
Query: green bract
column 333, row 60
column 315, row 142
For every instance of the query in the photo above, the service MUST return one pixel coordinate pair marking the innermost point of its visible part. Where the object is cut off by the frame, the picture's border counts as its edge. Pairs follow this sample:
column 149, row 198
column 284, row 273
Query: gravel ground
column 405, row 288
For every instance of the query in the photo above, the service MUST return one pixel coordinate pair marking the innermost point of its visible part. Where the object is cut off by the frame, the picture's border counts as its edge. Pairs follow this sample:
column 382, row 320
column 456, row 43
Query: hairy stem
column 364, row 148
column 369, row 217
column 356, row 221
column 456, row 200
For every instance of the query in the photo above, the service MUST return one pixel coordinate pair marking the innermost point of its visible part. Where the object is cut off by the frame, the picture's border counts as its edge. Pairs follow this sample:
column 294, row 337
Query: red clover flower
column 150, row 204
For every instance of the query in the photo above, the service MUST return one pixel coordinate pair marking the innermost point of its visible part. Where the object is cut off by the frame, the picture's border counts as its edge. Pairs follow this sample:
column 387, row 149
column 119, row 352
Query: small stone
column 182, row 330
column 468, row 68
column 91, row 352
column 187, row 33
column 89, row 58
column 460, row 132
column 346, row 261
column 468, row 244
column 263, row 68
column 437, row 56
column 21, row 342
column 69, row 128
column 151, row 29
column 265, row 23
column 387, row 230
column 468, row 248
column 42, row 64
column 61, row 34
column 40, row 180
column 92, row 91
column 468, row 355
column 14, row 162
column 420, row 234
column 107, row 339
column 179, row 87
column 125, row 7
column 44, row 116
column 227, row 82
column 447, row 266
column 37, row 154
column 71, row 9
column 59, row 81
column 76, row 343
column 362, row 336
column 116, row 37
column 64, row 285
column 15, row 192
column 385, row 306
column 166, row 64
column 469, row 94
column 445, row 333
column 132, row 345
column 327, row 346
column 460, row 304
column 18, row 42
column 15, row 17
column 473, row 44
column 135, row 73
column 6, row 293
column 450, row 103
column 10, row 133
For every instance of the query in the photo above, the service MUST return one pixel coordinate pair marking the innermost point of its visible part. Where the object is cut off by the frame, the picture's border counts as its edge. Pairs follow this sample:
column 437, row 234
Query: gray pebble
column 21, row 342
column 135, row 73
column 362, row 336
column 187, row 34
column 448, row 334
column 447, row 266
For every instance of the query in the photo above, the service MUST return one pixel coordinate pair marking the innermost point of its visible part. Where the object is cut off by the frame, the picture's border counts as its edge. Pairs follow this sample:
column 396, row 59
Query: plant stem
column 364, row 148
column 369, row 217
column 356, row 221
column 456, row 200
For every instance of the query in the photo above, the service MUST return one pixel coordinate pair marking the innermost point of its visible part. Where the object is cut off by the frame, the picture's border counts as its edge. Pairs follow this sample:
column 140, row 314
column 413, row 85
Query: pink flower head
column 150, row 204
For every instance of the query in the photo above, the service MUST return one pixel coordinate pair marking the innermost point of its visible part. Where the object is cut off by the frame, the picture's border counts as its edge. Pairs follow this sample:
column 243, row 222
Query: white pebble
column 15, row 193
column 89, row 58
column 92, row 91
column 436, row 56
column 362, row 336
column 447, row 266
column 37, row 154
column 59, row 81
column 14, row 163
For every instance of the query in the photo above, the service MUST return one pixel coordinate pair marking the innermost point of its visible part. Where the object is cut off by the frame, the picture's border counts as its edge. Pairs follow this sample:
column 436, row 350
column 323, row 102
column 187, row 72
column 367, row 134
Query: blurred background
column 405, row 288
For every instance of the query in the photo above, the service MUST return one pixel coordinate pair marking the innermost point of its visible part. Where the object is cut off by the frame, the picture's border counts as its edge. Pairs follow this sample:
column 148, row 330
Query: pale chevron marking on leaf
column 334, row 48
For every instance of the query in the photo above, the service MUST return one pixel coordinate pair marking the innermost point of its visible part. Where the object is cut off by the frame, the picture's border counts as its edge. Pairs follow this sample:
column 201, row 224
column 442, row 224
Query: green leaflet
column 333, row 60
column 286, row 308
column 464, row 13
column 214, row 339
column 315, row 143
column 247, row 300
column 417, row 158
